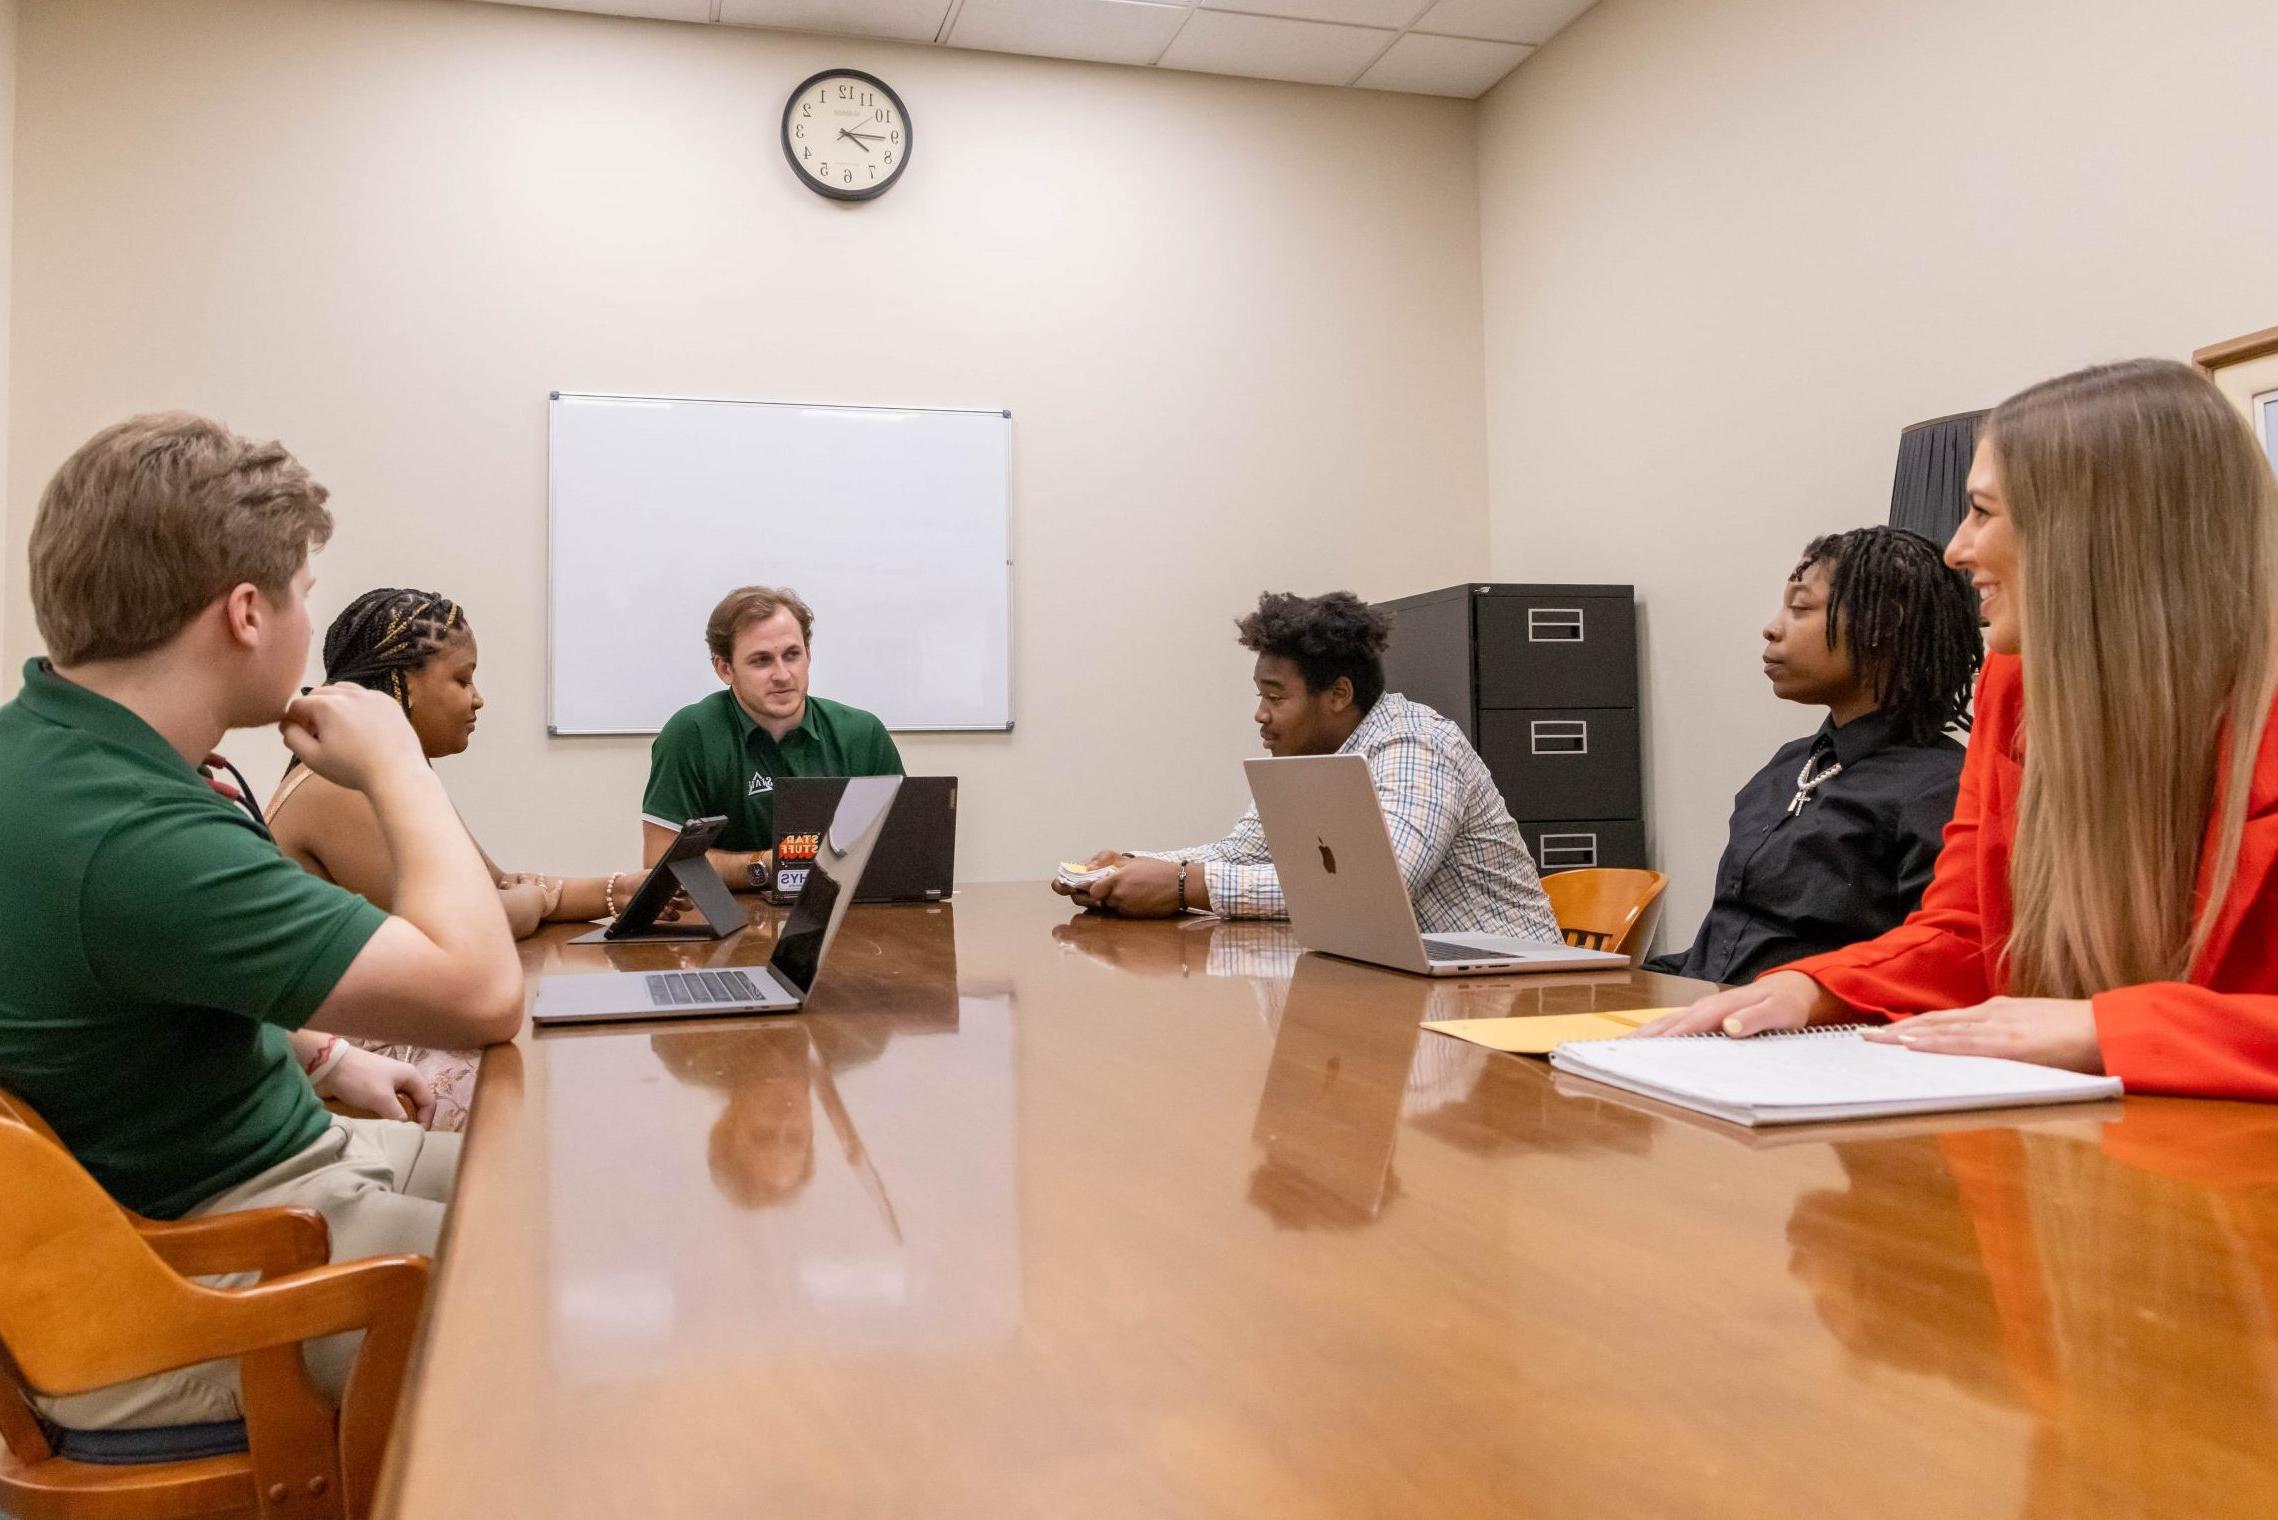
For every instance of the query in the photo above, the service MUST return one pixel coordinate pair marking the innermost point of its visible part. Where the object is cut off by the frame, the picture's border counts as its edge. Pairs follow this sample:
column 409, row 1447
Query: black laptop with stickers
column 916, row 858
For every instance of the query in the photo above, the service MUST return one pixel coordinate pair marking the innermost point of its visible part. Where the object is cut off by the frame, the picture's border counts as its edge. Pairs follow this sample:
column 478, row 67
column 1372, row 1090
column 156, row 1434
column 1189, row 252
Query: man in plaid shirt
column 1320, row 680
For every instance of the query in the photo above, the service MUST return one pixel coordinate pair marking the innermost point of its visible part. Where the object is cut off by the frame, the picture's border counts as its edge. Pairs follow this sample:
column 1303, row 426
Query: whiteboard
column 893, row 525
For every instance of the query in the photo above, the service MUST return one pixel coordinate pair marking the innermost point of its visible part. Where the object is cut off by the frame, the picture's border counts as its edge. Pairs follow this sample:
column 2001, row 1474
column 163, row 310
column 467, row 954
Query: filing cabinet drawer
column 1544, row 649
column 1553, row 763
column 1583, row 846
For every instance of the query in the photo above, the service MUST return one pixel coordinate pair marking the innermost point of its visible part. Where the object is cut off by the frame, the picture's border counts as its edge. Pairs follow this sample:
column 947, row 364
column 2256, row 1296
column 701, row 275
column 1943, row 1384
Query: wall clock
column 846, row 135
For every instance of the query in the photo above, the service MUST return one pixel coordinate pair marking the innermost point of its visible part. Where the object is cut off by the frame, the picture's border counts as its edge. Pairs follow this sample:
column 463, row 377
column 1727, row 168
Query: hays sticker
column 794, row 857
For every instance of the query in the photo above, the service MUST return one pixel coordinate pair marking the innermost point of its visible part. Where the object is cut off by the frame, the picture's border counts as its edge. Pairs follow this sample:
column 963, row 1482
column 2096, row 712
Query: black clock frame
column 866, row 192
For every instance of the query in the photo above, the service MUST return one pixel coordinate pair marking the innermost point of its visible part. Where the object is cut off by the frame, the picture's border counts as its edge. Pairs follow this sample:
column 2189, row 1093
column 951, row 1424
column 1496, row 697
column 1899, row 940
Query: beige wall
column 1731, row 247
column 1237, row 324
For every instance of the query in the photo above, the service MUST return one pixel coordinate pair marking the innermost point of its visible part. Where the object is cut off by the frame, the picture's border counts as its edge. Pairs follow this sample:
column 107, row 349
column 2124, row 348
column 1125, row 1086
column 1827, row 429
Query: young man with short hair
column 1320, row 681
column 162, row 957
column 722, row 754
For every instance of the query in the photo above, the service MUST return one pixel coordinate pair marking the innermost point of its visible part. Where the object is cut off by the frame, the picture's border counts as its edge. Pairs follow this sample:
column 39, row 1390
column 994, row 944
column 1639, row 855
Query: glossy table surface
column 1041, row 1216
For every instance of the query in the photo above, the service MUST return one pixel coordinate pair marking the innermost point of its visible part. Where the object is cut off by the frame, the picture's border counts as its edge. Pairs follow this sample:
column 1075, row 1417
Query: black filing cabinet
column 1543, row 681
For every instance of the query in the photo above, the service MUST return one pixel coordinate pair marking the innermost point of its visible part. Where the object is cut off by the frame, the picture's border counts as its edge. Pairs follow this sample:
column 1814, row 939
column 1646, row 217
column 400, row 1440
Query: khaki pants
column 380, row 1184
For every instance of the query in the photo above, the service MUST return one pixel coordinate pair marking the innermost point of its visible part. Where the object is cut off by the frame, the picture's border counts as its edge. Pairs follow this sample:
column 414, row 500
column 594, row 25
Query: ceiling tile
column 1394, row 14
column 656, row 10
column 1501, row 20
column 1265, row 47
column 908, row 20
column 1100, row 31
column 1443, row 66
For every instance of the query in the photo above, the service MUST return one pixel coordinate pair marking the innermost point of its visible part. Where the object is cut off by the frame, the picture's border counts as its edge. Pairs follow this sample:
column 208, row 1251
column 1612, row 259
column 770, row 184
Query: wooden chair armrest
column 303, row 1450
column 268, row 1241
column 285, row 1311
column 298, row 1444
column 183, row 1323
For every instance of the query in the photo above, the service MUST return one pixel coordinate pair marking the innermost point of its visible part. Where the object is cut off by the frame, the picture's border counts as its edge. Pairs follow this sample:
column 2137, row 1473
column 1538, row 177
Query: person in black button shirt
column 1833, row 841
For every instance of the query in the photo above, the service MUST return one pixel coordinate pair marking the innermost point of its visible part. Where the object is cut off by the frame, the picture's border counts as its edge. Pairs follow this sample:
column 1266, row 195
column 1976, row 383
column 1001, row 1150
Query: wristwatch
column 760, row 873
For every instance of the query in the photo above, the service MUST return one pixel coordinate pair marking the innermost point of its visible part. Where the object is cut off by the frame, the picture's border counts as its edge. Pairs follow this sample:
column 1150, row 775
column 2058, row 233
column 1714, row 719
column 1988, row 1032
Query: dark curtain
column 1928, row 494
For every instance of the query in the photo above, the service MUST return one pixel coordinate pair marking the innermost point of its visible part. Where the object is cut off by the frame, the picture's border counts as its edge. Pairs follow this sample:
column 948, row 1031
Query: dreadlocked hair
column 383, row 637
column 1912, row 621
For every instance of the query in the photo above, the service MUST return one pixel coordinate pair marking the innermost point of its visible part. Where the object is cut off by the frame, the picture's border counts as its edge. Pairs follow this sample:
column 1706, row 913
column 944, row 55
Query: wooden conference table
column 1054, row 1217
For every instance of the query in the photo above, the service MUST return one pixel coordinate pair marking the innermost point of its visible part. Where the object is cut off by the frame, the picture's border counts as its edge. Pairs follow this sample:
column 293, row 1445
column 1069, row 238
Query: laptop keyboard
column 697, row 989
column 1443, row 952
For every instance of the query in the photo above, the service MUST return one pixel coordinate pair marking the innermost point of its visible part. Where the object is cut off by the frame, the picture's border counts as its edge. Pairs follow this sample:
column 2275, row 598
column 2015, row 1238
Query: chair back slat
column 1601, row 909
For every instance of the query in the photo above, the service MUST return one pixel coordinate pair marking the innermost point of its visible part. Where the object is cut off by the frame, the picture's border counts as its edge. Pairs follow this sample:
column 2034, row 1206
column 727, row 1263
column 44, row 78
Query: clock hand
column 855, row 138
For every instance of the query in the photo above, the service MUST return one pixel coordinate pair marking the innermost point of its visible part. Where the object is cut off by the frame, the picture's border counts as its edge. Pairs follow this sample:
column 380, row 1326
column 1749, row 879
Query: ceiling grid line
column 1449, row 48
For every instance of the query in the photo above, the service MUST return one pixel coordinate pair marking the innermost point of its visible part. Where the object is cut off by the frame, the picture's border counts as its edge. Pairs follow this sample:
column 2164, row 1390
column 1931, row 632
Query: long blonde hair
column 2146, row 521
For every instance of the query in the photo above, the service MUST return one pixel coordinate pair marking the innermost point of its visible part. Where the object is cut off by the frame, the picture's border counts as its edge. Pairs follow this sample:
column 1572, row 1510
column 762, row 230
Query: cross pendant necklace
column 1806, row 782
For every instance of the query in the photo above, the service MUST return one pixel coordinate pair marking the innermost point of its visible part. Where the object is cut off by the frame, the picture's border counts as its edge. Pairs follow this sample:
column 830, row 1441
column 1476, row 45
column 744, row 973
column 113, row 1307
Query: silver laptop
column 1334, row 856
column 779, row 986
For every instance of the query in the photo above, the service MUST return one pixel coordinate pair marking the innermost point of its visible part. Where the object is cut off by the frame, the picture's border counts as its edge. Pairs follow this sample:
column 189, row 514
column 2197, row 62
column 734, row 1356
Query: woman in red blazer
column 2104, row 899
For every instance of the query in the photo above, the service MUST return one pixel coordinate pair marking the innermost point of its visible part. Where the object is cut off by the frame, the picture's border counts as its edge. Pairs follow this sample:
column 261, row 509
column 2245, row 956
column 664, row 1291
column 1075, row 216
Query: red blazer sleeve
column 1937, row 958
column 2172, row 1037
column 2215, row 1036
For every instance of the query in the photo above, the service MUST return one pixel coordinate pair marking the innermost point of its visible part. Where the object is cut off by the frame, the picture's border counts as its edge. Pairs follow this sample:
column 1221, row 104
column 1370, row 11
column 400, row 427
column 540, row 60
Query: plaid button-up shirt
column 1467, row 869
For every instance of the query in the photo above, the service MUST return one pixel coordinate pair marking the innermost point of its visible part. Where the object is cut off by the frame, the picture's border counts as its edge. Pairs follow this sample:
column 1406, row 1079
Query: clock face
column 846, row 135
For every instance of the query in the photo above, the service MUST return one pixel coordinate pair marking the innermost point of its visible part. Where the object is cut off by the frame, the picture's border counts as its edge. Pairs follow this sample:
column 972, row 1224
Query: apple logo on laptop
column 1328, row 856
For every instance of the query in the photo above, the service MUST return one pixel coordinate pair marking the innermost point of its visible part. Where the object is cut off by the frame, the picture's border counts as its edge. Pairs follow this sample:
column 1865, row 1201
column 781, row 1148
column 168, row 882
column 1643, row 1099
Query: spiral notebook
column 1818, row 1074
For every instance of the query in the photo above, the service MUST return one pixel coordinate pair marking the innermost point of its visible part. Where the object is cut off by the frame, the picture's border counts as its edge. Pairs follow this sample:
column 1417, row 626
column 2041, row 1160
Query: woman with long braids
column 1833, row 840
column 418, row 648
column 2105, row 900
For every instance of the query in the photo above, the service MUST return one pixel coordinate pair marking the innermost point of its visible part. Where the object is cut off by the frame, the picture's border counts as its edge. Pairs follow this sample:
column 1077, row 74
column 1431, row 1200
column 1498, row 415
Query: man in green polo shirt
column 164, row 964
column 722, row 755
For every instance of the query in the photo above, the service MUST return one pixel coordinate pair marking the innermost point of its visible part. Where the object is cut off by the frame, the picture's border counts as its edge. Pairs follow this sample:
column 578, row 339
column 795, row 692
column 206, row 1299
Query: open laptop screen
column 840, row 858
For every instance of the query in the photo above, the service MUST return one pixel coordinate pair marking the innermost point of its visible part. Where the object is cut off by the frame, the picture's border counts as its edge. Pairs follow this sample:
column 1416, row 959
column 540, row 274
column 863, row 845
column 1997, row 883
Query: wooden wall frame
column 2245, row 370
column 2220, row 356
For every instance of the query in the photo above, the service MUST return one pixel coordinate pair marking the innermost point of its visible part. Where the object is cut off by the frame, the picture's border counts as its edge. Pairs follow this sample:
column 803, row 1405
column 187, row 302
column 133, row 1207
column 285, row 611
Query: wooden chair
column 91, row 1295
column 1601, row 909
column 267, row 1241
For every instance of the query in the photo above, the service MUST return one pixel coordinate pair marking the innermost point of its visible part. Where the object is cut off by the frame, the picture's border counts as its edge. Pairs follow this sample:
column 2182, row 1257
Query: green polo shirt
column 712, row 760
column 157, row 948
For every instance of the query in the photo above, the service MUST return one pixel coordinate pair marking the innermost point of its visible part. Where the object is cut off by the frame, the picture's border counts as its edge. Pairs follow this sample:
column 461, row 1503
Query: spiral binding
column 1821, row 1032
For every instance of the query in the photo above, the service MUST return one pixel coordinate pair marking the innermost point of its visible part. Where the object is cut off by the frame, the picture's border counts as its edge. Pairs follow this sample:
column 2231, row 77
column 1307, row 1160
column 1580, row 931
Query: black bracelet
column 1182, row 886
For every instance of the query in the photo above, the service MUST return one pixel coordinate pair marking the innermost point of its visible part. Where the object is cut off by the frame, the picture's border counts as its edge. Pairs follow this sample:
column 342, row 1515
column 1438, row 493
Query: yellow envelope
column 1543, row 1033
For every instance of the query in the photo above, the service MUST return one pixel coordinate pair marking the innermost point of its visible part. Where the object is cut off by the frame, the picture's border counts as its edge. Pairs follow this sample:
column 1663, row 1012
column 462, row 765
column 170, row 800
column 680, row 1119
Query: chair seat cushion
column 156, row 1443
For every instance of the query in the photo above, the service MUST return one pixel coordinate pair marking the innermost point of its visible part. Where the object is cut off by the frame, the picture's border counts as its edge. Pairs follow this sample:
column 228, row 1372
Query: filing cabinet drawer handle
column 1554, row 625
column 1560, row 736
column 1569, row 852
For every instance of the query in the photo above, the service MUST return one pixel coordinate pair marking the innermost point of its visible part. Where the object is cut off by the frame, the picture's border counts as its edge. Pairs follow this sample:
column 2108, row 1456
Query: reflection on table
column 1036, row 1215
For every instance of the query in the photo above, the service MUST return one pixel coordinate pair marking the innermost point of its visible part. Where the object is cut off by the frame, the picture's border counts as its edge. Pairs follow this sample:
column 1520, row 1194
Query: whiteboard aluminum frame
column 1012, row 602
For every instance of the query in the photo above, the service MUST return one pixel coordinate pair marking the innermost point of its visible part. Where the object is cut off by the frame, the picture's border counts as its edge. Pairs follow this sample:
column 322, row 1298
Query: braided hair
column 383, row 638
column 1912, row 621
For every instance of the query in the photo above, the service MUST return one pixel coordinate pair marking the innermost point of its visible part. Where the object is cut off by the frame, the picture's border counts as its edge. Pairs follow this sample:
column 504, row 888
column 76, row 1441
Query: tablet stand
column 717, row 913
